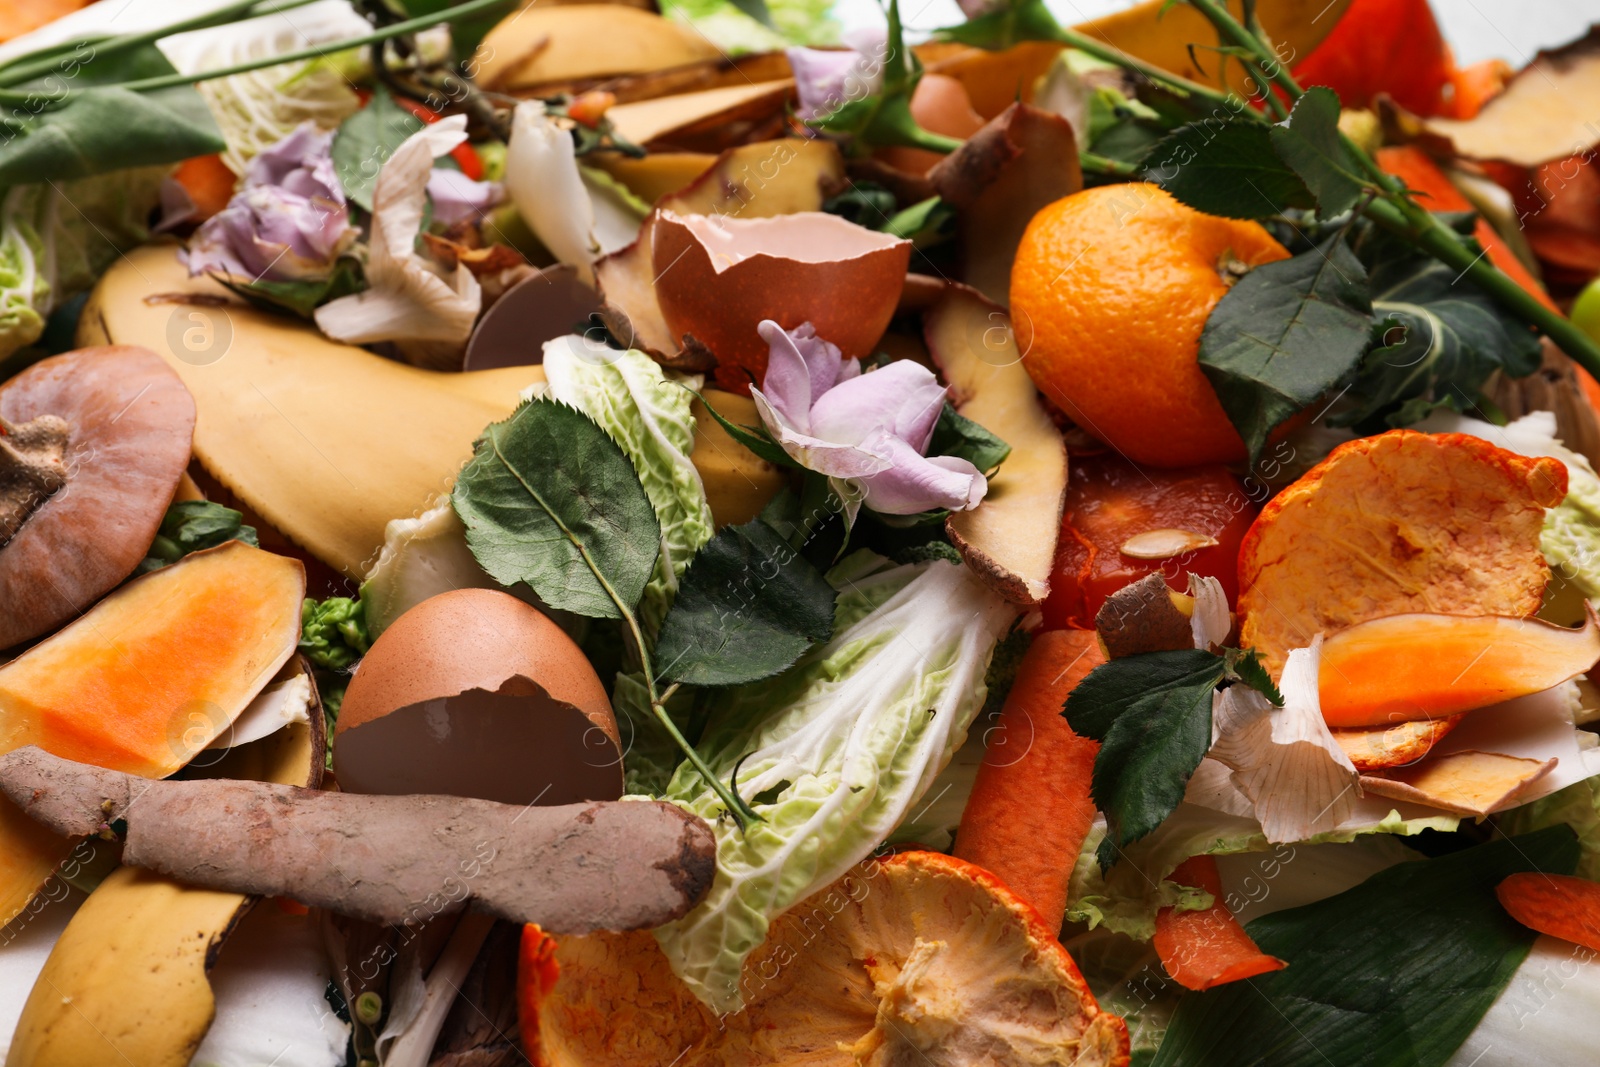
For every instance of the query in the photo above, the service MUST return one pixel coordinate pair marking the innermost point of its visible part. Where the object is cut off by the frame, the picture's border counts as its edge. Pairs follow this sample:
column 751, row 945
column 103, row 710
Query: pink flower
column 827, row 79
column 868, row 431
column 287, row 222
column 457, row 198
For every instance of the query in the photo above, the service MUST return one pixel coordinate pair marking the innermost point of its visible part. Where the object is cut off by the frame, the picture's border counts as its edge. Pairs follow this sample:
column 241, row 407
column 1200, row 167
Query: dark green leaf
column 754, row 438
column 1393, row 973
column 863, row 203
column 749, row 606
column 925, row 223
column 300, row 297
column 1436, row 339
column 551, row 501
column 956, row 435
column 191, row 526
column 1308, row 140
column 364, row 143
column 104, row 128
column 1226, row 167
column 1284, row 335
column 1244, row 665
column 756, row 9
column 1151, row 714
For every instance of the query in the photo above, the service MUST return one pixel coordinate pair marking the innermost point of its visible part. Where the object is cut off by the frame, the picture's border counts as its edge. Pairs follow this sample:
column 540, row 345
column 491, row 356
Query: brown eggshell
column 131, row 424
column 718, row 277
column 476, row 693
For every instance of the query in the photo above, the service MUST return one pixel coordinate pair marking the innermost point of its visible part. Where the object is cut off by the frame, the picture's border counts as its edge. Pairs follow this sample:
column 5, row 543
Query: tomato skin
column 1384, row 46
column 1109, row 500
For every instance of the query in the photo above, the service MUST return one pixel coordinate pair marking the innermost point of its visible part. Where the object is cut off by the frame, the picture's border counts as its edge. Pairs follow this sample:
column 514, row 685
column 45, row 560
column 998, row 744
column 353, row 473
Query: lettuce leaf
column 648, row 414
column 834, row 753
column 1578, row 806
column 805, row 22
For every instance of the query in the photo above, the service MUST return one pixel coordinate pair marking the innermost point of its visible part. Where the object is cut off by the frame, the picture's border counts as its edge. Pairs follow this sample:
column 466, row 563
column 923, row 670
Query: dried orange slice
column 1400, row 523
column 917, row 958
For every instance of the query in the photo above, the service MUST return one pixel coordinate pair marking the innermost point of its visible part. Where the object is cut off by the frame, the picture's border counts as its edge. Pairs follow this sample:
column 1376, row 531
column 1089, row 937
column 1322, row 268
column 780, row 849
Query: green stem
column 398, row 29
column 1112, row 54
column 1233, row 31
column 917, row 137
column 1099, row 164
column 24, row 69
column 1446, row 245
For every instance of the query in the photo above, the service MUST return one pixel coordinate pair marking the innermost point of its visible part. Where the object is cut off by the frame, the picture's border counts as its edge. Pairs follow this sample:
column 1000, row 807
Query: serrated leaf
column 1393, row 973
column 956, row 435
column 752, row 437
column 549, row 500
column 365, row 141
column 1309, row 142
column 301, row 296
column 1436, row 339
column 1226, row 167
column 748, row 606
column 1284, row 335
column 1151, row 714
column 1245, row 665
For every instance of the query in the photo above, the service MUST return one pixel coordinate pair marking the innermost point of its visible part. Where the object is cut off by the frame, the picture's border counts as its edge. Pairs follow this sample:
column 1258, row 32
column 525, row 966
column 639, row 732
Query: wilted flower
column 975, row 9
column 457, row 198
column 869, row 430
column 825, row 80
column 287, row 222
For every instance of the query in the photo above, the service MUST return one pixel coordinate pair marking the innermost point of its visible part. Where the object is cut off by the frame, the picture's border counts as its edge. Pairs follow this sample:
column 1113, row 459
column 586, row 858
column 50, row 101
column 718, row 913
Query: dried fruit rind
column 1399, row 523
column 1467, row 783
column 918, row 951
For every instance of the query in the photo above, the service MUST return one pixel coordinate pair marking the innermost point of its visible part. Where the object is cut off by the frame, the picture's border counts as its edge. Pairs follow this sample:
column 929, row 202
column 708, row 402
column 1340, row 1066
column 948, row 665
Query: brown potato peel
column 572, row 869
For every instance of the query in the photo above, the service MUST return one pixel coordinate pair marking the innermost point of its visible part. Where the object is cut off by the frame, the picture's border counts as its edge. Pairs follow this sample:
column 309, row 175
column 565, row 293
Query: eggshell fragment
column 475, row 693
column 718, row 278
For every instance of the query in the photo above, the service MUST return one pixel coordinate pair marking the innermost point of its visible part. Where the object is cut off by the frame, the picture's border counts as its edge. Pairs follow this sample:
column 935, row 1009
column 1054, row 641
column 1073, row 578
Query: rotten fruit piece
column 717, row 279
column 1408, row 522
column 576, row 868
column 145, row 680
column 1404, row 667
column 997, row 181
column 475, row 693
column 1009, row 539
column 325, row 441
column 917, row 958
column 568, row 45
column 92, row 446
column 1111, row 502
column 1467, row 783
column 127, row 981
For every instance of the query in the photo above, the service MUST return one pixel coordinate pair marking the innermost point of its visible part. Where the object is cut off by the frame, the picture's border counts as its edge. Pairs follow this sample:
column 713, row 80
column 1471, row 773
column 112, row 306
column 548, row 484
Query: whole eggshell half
column 717, row 277
column 476, row 693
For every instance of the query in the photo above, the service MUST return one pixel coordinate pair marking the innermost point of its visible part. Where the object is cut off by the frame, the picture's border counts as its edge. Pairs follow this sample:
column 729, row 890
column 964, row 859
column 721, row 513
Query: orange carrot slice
column 1030, row 808
column 1204, row 949
column 1560, row 905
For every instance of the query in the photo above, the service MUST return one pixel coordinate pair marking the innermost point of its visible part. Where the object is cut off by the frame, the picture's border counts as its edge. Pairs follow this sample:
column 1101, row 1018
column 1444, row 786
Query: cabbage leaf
column 834, row 753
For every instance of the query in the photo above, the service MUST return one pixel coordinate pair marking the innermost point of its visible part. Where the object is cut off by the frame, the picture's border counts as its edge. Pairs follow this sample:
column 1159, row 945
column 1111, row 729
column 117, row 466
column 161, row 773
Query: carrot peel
column 1208, row 948
column 1561, row 905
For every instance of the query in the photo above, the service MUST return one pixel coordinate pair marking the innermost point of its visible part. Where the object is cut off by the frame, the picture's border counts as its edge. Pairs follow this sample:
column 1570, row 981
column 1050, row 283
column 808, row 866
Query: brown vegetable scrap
column 390, row 859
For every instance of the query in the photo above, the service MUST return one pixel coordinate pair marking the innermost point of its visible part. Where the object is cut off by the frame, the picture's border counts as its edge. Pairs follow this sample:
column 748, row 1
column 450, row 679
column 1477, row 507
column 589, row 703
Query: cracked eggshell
column 718, row 277
column 475, row 693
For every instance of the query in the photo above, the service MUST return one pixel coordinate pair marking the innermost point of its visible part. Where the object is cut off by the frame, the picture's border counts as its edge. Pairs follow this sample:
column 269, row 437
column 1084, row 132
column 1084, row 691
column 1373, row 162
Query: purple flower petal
column 826, row 80
column 916, row 483
column 903, row 398
column 787, row 384
column 833, row 458
column 457, row 198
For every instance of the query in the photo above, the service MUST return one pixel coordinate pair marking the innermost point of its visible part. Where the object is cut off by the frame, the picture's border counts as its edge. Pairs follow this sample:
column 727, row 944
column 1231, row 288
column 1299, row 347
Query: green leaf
column 748, row 606
column 1226, row 167
column 1436, row 340
column 191, row 526
column 365, row 141
column 301, row 297
column 754, row 438
column 925, row 223
column 1244, row 665
column 1151, row 714
column 1308, row 140
column 1393, row 973
column 104, row 128
column 549, row 500
column 956, row 435
column 863, row 203
column 1284, row 335
column 333, row 632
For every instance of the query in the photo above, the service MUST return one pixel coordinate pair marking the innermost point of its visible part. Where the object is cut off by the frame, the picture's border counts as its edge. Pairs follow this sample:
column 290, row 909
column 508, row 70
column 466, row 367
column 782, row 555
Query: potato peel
column 1404, row 522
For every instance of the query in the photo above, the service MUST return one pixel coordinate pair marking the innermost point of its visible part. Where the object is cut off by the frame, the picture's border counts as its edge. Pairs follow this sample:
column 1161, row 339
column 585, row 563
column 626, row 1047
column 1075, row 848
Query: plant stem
column 398, row 29
column 1445, row 245
column 1112, row 54
column 25, row 67
column 1234, row 32
column 1103, row 165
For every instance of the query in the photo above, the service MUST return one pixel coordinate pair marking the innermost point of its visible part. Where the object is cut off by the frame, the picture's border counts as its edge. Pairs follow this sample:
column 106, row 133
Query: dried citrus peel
column 1409, row 667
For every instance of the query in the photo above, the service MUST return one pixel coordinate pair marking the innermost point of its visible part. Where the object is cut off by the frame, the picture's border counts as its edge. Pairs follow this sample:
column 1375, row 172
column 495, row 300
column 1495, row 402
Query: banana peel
column 327, row 442
column 126, row 983
column 994, row 80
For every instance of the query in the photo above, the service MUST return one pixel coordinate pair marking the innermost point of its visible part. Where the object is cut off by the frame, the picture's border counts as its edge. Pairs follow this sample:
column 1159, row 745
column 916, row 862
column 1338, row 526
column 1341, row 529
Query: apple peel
column 1420, row 666
column 1466, row 783
column 1401, row 523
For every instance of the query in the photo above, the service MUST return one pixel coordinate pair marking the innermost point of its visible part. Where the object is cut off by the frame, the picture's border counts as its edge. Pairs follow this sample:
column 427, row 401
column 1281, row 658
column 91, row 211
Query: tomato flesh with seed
column 1110, row 500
